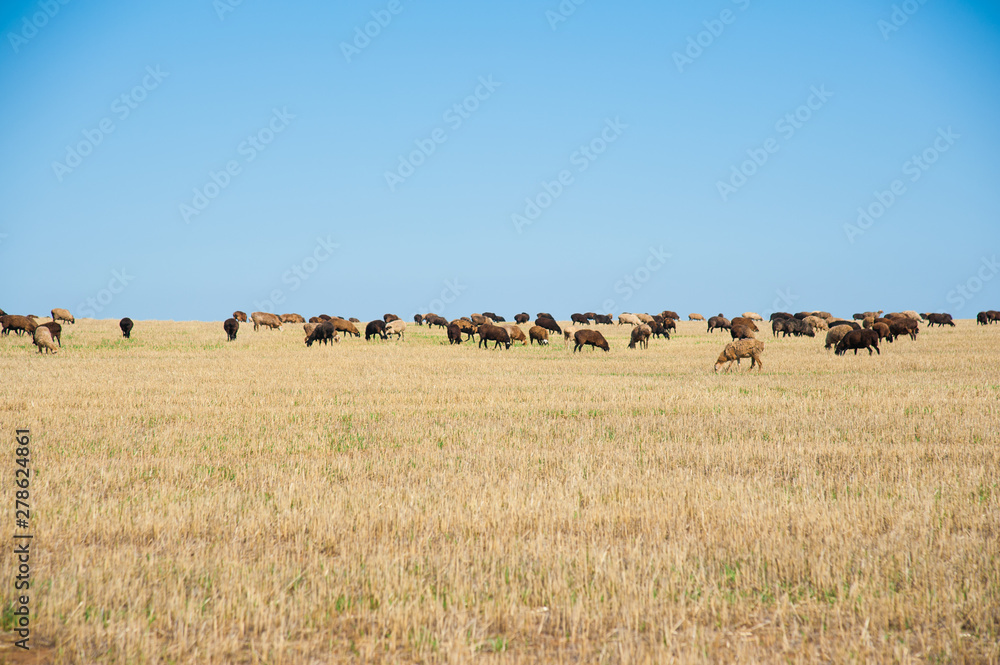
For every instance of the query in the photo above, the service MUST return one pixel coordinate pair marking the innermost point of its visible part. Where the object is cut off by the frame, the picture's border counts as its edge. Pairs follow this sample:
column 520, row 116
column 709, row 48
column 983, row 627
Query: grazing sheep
column 126, row 326
column 323, row 333
column 548, row 324
column 516, row 334
column 797, row 327
column 841, row 322
column 325, row 317
column 818, row 323
column 994, row 315
column 983, row 319
column 781, row 315
column 454, row 334
column 231, row 326
column 604, row 318
column 823, row 315
column 835, row 334
column 43, row 340
column 745, row 322
column 940, row 320
column 741, row 348
column 659, row 329
column 396, row 327
column 310, row 327
column 478, row 319
column 428, row 316
column 353, row 319
column 263, row 319
column 753, row 316
column 545, row 315
column 59, row 314
column 389, row 318
column 56, row 331
column 491, row 333
column 591, row 316
column 630, row 319
column 464, row 325
column 903, row 326
column 436, row 321
column 291, row 318
column 720, row 322
column 522, row 317
column 19, row 324
column 539, row 334
column 694, row 316
column 375, row 328
column 418, row 319
column 240, row 316
column 882, row 330
column 640, row 336
column 579, row 318
column 345, row 327
column 590, row 338
column 670, row 314
column 315, row 319
column 865, row 338
column 740, row 331
column 777, row 326
column 912, row 315
column 568, row 334
column 644, row 318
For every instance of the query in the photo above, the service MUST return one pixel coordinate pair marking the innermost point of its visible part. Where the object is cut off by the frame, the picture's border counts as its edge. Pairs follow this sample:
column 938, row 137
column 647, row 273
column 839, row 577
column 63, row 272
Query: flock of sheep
column 842, row 335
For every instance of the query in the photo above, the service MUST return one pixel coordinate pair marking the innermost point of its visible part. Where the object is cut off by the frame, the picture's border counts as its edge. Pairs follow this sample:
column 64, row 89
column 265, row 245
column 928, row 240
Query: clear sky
column 181, row 160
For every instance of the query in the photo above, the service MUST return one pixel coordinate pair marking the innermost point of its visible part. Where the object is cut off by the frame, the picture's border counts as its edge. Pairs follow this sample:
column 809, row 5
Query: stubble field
column 257, row 501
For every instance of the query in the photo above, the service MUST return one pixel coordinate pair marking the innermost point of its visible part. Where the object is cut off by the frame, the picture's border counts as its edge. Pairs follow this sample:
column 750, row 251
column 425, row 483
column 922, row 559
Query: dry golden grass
column 198, row 501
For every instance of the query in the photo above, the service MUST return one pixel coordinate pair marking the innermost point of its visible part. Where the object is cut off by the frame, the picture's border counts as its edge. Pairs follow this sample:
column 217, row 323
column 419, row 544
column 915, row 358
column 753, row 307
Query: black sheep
column 231, row 326
column 126, row 326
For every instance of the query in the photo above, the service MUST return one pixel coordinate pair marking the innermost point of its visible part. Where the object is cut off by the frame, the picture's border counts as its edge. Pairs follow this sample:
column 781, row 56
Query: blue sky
column 182, row 160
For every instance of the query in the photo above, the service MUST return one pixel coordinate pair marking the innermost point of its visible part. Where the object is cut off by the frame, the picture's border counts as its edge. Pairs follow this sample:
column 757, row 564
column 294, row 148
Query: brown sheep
column 548, row 324
column 817, row 322
column 640, row 336
column 43, row 340
column 858, row 339
column 240, row 316
column 835, row 334
column 745, row 322
column 590, row 338
column 516, row 334
column 695, row 317
column 669, row 314
column 231, row 326
column 740, row 331
column 323, row 333
column 389, row 318
column 19, row 324
column 345, row 327
column 309, row 328
column 418, row 319
column 882, row 330
column 523, row 317
column 604, row 318
column 940, row 320
column 465, row 326
column 126, row 325
column 491, row 333
column 539, row 334
column 720, row 322
column 644, row 318
column 903, row 326
column 291, row 318
column 263, row 319
column 59, row 314
column 741, row 348
column 56, row 331
column 396, row 327
column 579, row 318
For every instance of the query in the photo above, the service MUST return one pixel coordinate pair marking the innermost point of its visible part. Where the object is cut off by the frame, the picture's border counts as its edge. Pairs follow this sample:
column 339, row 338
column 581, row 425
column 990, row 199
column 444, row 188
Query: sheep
column 55, row 329
column 777, row 326
column 310, row 327
column 291, row 318
column 865, row 338
column 740, row 331
column 263, row 319
column 745, row 322
column 375, row 328
column 694, row 316
column 591, row 316
column 516, row 334
column 659, row 329
column 817, row 322
column 912, row 315
column 568, row 334
column 835, row 334
column 325, row 317
column 670, row 314
column 604, row 318
column 491, row 333
column 126, row 326
column 59, row 314
column 903, row 326
column 940, row 320
column 231, row 326
column 590, row 338
column 418, row 319
column 436, row 320
column 522, row 317
column 454, row 334
column 321, row 332
column 741, row 348
column 797, row 327
column 240, row 316
column 630, row 319
column 539, row 334
column 983, row 319
column 346, row 327
column 781, row 315
column 353, row 319
column 579, row 318
column 545, row 315
column 753, row 316
column 478, row 319
column 841, row 322
column 644, row 318
column 548, row 324
column 994, row 315
column 396, row 327
column 389, row 318
column 882, row 330
column 720, row 322
column 19, row 324
column 640, row 336
column 823, row 315
column 43, row 340
column 464, row 325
